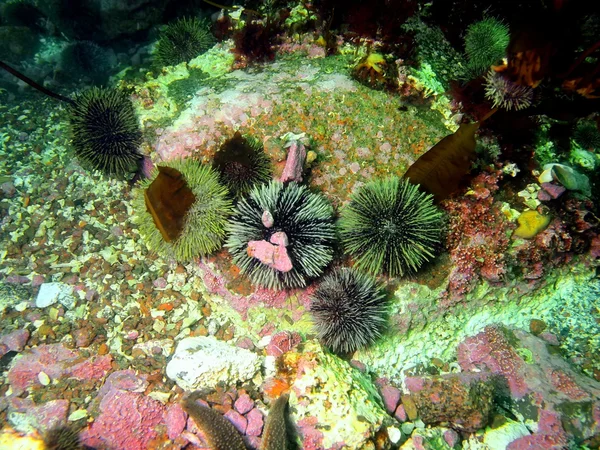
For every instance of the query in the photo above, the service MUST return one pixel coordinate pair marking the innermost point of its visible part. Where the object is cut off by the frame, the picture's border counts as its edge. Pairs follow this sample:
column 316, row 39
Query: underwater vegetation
column 197, row 221
column 242, row 164
column 390, row 226
column 106, row 134
column 290, row 231
column 183, row 40
column 348, row 310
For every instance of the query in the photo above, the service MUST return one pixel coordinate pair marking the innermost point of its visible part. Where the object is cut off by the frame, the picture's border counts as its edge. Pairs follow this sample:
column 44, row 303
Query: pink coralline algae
column 283, row 342
column 56, row 361
column 272, row 253
column 217, row 284
column 127, row 419
column 491, row 350
column 294, row 164
column 543, row 387
column 40, row 417
column 477, row 237
column 550, row 435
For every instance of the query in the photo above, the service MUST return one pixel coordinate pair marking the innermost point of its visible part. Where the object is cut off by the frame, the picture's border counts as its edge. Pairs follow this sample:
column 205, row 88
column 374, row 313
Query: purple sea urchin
column 505, row 93
column 289, row 211
column 348, row 310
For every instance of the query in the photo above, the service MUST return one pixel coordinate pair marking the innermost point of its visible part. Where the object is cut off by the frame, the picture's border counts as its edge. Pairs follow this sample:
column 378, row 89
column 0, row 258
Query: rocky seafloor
column 94, row 327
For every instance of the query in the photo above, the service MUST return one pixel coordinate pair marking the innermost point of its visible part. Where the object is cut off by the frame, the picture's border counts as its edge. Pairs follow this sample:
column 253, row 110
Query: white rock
column 499, row 438
column 203, row 362
column 50, row 293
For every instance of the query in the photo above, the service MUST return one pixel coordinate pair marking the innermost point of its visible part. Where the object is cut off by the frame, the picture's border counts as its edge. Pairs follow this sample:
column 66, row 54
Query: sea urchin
column 348, row 310
column 291, row 222
column 105, row 129
column 242, row 164
column 183, row 40
column 505, row 93
column 390, row 226
column 204, row 222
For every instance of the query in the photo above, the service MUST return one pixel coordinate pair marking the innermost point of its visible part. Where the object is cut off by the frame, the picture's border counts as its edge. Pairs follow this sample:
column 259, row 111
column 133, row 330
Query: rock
column 294, row 164
column 465, row 401
column 243, row 404
column 353, row 413
column 391, row 397
column 203, row 362
column 126, row 419
column 274, row 256
column 239, row 422
column 14, row 341
column 255, row 423
column 498, row 438
column 51, row 293
column 530, row 371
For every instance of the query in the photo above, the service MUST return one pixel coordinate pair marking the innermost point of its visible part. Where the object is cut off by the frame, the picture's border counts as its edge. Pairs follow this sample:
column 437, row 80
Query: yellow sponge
column 531, row 223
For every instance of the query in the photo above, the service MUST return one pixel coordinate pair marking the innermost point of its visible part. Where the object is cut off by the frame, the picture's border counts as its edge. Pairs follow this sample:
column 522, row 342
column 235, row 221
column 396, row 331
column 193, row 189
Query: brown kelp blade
column 442, row 169
column 168, row 200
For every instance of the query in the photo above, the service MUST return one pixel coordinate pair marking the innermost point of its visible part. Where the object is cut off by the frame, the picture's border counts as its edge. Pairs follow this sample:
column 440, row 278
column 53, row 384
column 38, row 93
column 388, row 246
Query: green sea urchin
column 242, row 164
column 204, row 223
column 183, row 40
column 302, row 218
column 348, row 310
column 105, row 131
column 390, row 226
column 485, row 43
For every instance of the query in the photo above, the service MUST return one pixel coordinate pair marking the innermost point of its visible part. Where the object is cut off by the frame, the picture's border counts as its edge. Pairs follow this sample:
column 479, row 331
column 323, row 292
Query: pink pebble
column 176, row 420
column 16, row 340
column 243, row 404
column 37, row 280
column 391, row 397
column 451, row 437
column 255, row 423
column 400, row 414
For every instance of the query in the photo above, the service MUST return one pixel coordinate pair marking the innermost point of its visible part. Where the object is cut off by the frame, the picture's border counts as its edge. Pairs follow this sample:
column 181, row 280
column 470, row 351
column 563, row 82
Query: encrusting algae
column 531, row 223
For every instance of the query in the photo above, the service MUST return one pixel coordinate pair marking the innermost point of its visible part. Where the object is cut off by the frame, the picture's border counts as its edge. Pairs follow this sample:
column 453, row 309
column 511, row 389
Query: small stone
column 267, row 219
column 51, row 293
column 43, row 378
column 255, row 423
column 409, row 407
column 536, row 326
column 391, row 397
column 400, row 414
column 243, row 404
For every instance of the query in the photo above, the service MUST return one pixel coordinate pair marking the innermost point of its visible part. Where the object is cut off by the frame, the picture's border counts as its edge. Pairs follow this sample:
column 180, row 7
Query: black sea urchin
column 242, row 164
column 348, row 310
column 183, row 40
column 62, row 437
column 105, row 129
column 287, row 218
column 390, row 226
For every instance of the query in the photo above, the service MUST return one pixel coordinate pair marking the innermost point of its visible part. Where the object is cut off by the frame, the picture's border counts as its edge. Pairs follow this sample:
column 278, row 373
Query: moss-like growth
column 205, row 222
column 390, row 226
column 183, row 40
